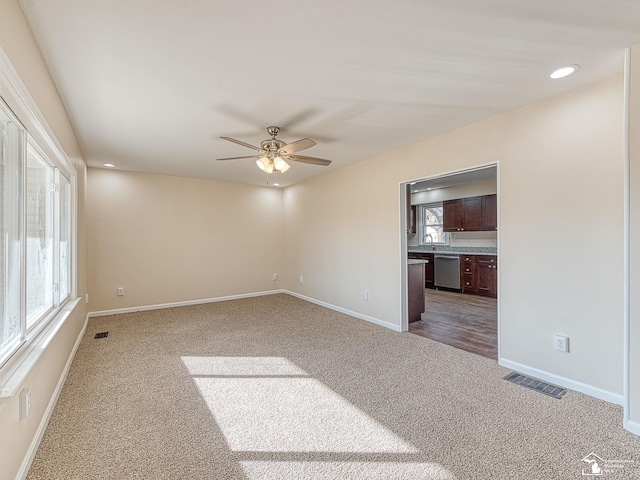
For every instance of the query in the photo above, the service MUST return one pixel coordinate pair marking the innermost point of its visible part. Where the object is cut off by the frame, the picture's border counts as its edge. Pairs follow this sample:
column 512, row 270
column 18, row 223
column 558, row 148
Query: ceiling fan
column 273, row 153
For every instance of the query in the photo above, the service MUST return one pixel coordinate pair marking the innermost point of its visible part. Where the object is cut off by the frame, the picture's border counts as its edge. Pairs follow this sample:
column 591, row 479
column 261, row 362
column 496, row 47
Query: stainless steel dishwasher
column 447, row 271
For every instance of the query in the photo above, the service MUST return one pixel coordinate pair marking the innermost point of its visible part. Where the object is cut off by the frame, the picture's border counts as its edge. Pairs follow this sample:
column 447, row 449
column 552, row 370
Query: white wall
column 560, row 168
column 17, row 437
column 342, row 234
column 171, row 239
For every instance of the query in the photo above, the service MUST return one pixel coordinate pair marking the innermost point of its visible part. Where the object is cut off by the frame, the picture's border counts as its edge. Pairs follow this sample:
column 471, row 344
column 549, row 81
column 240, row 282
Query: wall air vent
column 101, row 335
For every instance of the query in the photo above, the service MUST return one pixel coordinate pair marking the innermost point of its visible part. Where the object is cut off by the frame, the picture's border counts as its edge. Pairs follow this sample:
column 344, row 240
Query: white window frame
column 423, row 234
column 59, row 176
column 16, row 364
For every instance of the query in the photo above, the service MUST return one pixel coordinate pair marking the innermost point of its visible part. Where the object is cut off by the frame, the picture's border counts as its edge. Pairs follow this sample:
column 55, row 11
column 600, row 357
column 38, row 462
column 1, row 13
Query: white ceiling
column 151, row 85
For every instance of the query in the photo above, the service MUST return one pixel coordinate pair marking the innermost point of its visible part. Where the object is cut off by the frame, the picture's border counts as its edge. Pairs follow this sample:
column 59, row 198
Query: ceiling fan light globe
column 283, row 167
column 278, row 162
column 263, row 163
column 269, row 168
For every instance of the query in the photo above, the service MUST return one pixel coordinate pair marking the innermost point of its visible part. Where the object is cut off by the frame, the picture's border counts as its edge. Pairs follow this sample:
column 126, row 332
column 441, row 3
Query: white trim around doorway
column 404, row 310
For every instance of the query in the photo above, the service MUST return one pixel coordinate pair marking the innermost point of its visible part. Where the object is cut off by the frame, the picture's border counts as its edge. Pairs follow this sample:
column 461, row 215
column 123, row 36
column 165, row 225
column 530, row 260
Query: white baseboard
column 367, row 318
column 160, row 306
column 633, row 427
column 33, row 448
column 590, row 390
column 351, row 313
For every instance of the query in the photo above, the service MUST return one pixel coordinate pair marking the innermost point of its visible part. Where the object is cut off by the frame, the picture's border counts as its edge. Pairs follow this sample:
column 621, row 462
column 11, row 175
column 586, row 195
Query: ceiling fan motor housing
column 273, row 131
column 272, row 145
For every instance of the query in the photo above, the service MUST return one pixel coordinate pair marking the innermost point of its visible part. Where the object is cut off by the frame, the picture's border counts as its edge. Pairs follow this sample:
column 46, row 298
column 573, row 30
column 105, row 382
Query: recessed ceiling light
column 276, row 184
column 564, row 71
column 110, row 165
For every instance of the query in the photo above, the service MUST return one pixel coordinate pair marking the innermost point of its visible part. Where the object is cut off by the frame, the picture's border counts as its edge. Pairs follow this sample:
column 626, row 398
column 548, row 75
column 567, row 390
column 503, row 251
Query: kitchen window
column 432, row 225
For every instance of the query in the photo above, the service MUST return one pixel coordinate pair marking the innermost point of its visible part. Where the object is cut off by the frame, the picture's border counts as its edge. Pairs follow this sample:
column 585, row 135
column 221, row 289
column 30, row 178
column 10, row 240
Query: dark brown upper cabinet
column 452, row 215
column 411, row 213
column 489, row 212
column 472, row 214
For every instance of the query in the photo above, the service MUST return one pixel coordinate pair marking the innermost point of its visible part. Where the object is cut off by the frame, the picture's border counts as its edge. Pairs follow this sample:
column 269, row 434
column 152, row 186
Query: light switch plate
column 24, row 403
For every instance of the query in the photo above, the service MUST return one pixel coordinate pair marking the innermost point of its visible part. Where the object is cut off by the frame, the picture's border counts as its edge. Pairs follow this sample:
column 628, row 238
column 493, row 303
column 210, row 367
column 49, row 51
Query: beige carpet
column 278, row 388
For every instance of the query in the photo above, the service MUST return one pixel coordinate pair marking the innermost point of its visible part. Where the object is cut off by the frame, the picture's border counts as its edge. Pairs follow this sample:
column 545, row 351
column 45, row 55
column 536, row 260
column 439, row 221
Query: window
column 11, row 161
column 65, row 236
column 39, row 246
column 36, row 236
column 432, row 228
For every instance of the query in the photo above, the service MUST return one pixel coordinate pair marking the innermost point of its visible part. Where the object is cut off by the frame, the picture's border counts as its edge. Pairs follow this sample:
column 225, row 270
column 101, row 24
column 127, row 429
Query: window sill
column 14, row 372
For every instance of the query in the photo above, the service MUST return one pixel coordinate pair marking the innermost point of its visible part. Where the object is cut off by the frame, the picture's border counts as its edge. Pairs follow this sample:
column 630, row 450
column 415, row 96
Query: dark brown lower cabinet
column 487, row 276
column 428, row 272
column 468, row 273
column 428, row 267
column 415, row 287
column 479, row 275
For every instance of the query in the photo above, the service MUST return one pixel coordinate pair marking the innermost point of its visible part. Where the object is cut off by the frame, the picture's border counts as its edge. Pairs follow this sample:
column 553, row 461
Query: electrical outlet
column 275, row 276
column 120, row 291
column 562, row 343
column 301, row 279
column 365, row 295
column 86, row 298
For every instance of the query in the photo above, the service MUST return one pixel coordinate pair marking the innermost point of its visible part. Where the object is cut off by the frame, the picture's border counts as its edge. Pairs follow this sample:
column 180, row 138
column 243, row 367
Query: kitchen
column 453, row 260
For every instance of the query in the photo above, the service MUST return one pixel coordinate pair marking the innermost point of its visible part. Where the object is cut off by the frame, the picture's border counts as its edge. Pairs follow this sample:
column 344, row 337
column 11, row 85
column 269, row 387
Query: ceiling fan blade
column 296, row 146
column 229, row 139
column 238, row 158
column 310, row 160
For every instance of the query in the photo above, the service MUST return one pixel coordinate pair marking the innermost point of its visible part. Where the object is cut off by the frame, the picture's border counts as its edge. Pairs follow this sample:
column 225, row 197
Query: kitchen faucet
column 430, row 237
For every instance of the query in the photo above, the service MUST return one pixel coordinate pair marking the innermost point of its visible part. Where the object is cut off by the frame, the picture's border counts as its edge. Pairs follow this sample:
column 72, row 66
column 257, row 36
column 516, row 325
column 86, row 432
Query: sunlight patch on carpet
column 261, row 411
column 332, row 470
column 241, row 366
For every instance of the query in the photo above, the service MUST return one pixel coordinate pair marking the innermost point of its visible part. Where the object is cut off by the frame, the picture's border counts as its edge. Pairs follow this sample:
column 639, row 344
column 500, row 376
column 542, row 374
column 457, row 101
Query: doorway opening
column 452, row 254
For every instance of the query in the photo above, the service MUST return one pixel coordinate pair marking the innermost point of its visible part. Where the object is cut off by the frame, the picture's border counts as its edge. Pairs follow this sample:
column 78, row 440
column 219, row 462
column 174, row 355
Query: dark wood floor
column 468, row 322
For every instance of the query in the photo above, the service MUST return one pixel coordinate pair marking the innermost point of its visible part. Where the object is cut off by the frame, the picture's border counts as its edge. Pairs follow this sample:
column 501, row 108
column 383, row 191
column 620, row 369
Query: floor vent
column 537, row 385
column 101, row 335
